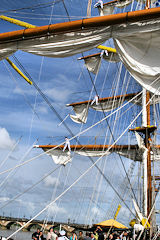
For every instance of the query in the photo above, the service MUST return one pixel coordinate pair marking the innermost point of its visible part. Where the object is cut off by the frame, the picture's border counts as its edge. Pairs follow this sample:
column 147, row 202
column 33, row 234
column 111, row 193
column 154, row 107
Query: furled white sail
column 92, row 153
column 60, row 45
column 81, row 113
column 92, row 62
column 58, row 156
column 108, row 105
column 109, row 7
column 140, row 54
column 133, row 154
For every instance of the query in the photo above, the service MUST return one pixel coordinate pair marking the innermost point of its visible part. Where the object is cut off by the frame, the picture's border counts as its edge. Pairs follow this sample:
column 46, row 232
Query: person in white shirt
column 99, row 3
column 51, row 235
column 62, row 235
column 67, row 144
column 95, row 100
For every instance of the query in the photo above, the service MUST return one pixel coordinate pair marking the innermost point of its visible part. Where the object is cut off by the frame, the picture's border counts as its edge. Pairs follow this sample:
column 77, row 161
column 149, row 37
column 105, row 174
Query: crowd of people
column 98, row 234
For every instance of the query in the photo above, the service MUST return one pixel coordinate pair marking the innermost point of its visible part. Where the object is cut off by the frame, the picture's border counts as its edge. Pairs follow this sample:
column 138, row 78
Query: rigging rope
column 13, row 148
column 31, row 187
column 42, row 5
column 89, row 8
column 87, row 129
column 21, row 159
column 113, row 136
column 79, row 178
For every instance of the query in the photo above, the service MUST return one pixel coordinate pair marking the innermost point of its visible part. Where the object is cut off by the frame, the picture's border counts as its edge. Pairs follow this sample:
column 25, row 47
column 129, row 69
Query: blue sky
column 62, row 81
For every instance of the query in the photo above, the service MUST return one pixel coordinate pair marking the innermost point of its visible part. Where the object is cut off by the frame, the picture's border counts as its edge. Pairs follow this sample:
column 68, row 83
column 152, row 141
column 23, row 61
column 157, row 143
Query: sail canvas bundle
column 92, row 62
column 57, row 155
column 81, row 113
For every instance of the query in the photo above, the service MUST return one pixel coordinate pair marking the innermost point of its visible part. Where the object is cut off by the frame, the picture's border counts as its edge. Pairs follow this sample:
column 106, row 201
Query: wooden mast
column 147, row 143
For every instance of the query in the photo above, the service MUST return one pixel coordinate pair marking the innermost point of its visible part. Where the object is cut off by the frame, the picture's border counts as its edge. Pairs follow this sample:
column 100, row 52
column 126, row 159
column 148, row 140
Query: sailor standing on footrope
column 99, row 3
column 95, row 100
column 67, row 144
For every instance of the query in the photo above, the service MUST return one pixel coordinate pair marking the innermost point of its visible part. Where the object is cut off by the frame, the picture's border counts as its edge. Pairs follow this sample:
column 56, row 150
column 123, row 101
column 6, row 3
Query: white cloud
column 58, row 94
column 4, row 199
column 95, row 211
column 54, row 209
column 51, row 181
column 42, row 109
column 30, row 206
column 5, row 139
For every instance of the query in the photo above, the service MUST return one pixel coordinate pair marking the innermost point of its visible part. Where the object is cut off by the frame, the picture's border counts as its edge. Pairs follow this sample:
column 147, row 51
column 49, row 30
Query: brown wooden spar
column 92, row 55
column 127, row 17
column 90, row 147
column 125, row 97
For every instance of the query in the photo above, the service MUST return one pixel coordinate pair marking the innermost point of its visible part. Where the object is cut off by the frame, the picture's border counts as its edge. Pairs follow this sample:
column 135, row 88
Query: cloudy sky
column 26, row 119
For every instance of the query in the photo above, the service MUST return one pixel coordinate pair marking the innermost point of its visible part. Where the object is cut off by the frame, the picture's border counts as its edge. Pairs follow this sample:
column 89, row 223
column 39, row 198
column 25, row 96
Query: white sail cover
column 108, row 9
column 92, row 63
column 81, row 113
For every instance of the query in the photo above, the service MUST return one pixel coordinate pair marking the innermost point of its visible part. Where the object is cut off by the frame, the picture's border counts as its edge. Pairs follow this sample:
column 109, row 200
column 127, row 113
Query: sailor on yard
column 67, row 144
column 99, row 3
column 95, row 100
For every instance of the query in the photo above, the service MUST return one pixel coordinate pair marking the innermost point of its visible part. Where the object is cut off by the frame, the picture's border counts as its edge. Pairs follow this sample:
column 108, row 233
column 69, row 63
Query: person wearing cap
column 51, row 235
column 62, row 235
